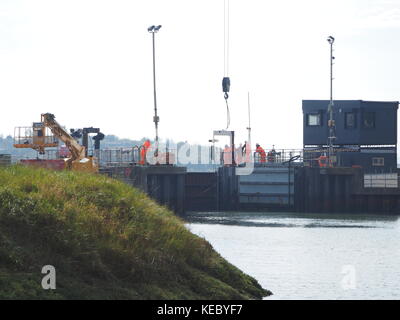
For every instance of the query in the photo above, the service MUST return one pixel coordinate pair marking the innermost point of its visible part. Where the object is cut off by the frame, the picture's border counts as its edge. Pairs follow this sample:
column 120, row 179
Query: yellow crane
column 78, row 160
column 39, row 139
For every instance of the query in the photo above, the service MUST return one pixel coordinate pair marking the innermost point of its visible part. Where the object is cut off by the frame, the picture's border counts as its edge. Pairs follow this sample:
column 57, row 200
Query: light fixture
column 154, row 29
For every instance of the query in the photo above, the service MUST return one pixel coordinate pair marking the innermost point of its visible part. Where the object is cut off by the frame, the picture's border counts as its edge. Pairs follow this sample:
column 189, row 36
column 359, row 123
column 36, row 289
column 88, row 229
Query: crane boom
column 77, row 151
column 39, row 138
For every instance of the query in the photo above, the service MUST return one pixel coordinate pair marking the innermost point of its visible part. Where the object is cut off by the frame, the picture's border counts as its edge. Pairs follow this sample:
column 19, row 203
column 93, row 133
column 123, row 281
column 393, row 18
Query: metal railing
column 25, row 136
column 279, row 156
column 132, row 156
column 274, row 156
column 118, row 157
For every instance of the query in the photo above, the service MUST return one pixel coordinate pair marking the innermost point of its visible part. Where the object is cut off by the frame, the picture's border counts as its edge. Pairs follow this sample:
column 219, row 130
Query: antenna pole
column 331, row 122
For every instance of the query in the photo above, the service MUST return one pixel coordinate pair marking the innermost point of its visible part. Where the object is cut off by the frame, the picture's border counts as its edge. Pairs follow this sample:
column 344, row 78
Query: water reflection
column 292, row 220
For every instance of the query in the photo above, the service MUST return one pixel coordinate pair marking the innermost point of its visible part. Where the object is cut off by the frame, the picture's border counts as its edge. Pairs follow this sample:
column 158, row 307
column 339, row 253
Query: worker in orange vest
column 261, row 152
column 227, row 156
column 143, row 151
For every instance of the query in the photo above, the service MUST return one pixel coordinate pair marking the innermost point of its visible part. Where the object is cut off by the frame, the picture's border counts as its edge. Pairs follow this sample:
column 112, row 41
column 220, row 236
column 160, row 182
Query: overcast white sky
column 90, row 63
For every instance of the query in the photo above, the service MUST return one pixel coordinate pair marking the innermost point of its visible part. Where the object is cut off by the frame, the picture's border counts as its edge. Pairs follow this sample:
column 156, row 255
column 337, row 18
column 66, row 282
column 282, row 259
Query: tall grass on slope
column 106, row 240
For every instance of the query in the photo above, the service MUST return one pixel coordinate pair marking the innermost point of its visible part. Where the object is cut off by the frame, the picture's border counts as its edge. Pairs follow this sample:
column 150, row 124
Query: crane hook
column 226, row 84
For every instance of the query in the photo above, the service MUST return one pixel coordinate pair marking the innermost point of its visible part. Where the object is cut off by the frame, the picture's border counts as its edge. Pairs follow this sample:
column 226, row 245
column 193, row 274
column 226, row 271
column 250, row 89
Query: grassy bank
column 106, row 241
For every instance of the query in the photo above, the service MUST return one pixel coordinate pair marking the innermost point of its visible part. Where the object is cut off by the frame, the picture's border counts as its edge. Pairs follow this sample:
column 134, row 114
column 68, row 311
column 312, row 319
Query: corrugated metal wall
column 267, row 186
column 201, row 191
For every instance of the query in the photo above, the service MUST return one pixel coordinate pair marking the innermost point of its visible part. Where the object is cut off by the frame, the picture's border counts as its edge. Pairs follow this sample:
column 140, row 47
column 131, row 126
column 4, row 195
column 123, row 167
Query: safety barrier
column 118, row 157
column 24, row 136
column 274, row 156
column 279, row 156
column 131, row 156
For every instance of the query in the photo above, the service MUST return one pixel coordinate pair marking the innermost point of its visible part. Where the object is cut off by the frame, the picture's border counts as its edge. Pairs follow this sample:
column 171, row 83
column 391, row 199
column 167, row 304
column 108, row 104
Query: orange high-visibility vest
column 262, row 154
column 143, row 152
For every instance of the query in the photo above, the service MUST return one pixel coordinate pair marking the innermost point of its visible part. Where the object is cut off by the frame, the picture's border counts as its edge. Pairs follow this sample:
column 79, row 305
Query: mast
column 331, row 122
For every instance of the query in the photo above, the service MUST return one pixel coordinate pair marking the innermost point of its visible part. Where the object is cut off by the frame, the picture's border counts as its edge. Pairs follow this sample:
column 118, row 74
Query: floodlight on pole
column 154, row 29
column 331, row 121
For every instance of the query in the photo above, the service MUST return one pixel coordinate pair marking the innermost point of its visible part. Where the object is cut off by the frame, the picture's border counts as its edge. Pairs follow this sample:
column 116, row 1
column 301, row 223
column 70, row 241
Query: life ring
column 323, row 161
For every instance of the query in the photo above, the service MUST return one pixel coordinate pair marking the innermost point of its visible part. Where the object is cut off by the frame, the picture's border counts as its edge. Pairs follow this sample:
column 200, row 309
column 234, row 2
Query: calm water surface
column 314, row 256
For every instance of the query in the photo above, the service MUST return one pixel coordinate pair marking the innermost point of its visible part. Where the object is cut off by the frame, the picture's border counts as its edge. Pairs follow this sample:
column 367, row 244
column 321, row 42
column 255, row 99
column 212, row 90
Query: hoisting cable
column 228, row 114
column 226, row 82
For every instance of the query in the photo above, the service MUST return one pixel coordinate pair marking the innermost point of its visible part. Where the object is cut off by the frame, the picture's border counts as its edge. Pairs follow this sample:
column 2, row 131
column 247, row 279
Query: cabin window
column 378, row 162
column 350, row 120
column 369, row 120
column 313, row 119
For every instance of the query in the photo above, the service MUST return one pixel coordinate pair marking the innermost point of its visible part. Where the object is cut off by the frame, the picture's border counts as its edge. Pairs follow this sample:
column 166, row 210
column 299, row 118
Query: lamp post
column 331, row 122
column 153, row 30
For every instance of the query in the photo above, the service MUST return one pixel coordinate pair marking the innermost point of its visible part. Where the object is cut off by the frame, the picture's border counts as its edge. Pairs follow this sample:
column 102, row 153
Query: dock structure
column 362, row 177
column 277, row 185
column 165, row 184
column 271, row 186
column 224, row 190
column 302, row 189
column 202, row 191
column 346, row 190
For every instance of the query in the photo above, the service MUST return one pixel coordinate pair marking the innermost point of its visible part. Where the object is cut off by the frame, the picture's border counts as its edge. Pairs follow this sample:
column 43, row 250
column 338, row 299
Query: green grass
column 106, row 240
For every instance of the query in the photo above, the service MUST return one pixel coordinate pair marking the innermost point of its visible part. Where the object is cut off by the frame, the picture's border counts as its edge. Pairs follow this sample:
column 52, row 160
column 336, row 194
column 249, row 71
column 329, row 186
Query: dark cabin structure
column 366, row 133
